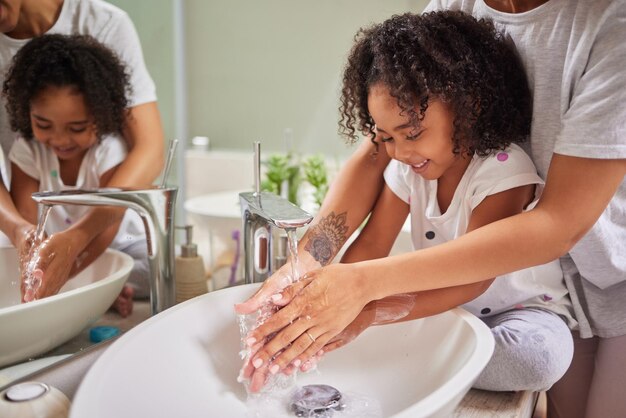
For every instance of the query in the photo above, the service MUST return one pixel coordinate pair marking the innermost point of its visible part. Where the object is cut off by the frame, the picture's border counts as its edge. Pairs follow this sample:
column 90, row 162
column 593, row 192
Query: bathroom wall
column 254, row 68
column 257, row 67
column 155, row 26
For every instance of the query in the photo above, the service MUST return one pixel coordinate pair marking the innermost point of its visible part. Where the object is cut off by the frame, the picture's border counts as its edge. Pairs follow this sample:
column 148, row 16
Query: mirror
column 237, row 72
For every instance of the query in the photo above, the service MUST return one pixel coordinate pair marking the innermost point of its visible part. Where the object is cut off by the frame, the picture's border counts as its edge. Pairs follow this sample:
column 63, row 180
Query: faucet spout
column 156, row 209
column 260, row 212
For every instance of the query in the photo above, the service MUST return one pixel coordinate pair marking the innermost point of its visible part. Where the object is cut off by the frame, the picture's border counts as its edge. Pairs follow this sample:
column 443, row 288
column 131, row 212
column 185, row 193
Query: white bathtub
column 30, row 329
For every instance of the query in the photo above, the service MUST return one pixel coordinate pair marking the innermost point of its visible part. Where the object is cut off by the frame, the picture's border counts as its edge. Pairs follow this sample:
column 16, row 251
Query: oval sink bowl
column 30, row 329
column 184, row 362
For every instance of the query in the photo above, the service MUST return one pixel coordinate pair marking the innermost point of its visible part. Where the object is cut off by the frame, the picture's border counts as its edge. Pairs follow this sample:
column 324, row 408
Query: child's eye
column 78, row 130
column 388, row 139
column 413, row 137
column 38, row 126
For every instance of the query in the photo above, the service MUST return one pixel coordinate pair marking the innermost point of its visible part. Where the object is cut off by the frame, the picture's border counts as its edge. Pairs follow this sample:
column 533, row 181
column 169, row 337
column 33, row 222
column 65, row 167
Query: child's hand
column 274, row 285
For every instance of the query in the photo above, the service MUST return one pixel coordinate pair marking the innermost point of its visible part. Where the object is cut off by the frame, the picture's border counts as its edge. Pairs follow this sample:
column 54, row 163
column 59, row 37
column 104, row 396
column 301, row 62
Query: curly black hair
column 68, row 60
column 449, row 56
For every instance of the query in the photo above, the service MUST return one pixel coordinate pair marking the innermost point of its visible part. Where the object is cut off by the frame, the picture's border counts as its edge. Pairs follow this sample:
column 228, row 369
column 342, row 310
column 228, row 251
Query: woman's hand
column 51, row 263
column 364, row 320
column 24, row 241
column 323, row 303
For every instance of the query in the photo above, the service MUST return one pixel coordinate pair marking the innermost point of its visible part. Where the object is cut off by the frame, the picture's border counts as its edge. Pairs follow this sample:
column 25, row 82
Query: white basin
column 29, row 329
column 184, row 362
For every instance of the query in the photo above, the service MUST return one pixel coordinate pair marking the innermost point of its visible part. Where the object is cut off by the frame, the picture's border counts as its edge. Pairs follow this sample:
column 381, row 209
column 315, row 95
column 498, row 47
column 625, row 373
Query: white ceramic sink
column 30, row 329
column 184, row 362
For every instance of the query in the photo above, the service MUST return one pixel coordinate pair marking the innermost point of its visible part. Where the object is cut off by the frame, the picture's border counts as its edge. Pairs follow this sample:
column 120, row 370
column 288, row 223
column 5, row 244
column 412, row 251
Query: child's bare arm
column 22, row 188
column 350, row 199
column 381, row 230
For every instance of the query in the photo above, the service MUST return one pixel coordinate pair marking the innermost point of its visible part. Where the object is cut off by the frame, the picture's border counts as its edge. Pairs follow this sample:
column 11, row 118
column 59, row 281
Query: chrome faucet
column 156, row 209
column 260, row 211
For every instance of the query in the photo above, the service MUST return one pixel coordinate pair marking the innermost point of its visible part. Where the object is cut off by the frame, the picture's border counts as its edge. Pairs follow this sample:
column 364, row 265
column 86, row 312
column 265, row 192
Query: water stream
column 32, row 281
column 247, row 323
column 292, row 239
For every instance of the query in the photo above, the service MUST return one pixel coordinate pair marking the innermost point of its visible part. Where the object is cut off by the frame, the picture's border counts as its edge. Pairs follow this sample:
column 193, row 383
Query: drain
column 316, row 401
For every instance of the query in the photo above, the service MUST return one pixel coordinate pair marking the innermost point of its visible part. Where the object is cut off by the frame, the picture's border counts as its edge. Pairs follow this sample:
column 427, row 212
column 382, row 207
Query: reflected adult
column 21, row 20
column 574, row 53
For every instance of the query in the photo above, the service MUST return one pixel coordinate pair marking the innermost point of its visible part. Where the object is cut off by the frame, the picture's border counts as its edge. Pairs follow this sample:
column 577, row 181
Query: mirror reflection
column 216, row 75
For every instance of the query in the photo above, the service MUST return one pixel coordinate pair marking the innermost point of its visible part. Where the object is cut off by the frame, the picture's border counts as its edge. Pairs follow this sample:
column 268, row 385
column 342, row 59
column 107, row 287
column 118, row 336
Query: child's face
column 427, row 148
column 60, row 120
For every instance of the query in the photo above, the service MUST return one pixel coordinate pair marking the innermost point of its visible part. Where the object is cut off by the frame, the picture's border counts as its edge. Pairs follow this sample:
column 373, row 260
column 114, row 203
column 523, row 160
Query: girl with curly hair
column 447, row 98
column 67, row 100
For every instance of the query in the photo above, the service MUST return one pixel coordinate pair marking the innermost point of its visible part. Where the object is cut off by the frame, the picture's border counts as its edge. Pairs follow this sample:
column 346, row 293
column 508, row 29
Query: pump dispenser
column 191, row 280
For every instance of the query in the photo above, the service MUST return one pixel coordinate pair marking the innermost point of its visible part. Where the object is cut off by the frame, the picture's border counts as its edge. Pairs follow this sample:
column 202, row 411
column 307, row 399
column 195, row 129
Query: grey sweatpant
column 533, row 349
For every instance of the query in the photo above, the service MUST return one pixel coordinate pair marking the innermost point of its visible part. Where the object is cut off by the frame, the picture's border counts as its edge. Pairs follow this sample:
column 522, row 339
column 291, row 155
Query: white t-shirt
column 541, row 286
column 574, row 53
column 106, row 23
column 39, row 162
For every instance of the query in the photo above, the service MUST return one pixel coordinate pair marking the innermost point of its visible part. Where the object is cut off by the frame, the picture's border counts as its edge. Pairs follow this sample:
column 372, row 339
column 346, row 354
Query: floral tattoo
column 327, row 237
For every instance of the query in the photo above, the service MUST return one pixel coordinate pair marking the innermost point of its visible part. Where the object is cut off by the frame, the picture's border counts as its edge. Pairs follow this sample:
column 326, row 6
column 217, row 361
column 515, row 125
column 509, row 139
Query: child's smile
column 60, row 120
column 427, row 148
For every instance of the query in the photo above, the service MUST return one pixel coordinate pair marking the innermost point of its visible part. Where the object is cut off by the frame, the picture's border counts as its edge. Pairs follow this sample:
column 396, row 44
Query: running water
column 32, row 277
column 43, row 217
column 292, row 239
column 278, row 382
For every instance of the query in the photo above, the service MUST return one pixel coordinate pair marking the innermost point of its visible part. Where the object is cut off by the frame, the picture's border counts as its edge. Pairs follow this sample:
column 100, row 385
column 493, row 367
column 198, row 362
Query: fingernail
column 320, row 353
column 250, row 341
column 297, row 362
column 38, row 273
column 257, row 363
column 274, row 369
column 276, row 297
column 306, row 366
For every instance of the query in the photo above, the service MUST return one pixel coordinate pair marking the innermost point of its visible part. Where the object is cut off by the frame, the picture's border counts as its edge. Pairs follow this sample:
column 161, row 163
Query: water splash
column 32, row 275
column 247, row 323
column 41, row 224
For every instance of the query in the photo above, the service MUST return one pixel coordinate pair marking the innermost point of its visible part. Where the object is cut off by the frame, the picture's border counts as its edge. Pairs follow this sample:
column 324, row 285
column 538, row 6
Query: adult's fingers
column 273, row 285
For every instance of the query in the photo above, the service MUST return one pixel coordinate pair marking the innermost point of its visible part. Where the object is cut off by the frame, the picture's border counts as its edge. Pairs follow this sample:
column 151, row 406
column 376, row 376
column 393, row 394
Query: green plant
column 281, row 169
column 316, row 175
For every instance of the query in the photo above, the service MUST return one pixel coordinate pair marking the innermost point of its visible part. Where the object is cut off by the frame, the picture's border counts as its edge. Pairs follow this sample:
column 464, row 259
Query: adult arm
column 349, row 200
column 572, row 201
column 13, row 225
column 299, row 347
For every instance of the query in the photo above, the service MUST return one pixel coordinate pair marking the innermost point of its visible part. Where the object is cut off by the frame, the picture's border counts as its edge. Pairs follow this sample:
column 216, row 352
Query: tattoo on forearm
column 326, row 238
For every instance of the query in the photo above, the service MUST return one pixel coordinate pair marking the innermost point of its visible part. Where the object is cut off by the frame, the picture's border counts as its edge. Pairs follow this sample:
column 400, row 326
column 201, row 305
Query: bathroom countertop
column 484, row 404
column 141, row 312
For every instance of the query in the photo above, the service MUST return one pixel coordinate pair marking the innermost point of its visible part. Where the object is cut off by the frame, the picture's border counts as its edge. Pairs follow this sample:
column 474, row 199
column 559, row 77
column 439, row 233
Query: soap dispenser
column 191, row 280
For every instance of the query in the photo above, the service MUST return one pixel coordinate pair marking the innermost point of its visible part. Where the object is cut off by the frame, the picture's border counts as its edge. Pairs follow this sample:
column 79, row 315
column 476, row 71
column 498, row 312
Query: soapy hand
column 49, row 266
column 272, row 286
column 322, row 304
column 24, row 242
